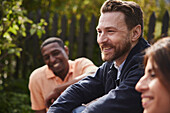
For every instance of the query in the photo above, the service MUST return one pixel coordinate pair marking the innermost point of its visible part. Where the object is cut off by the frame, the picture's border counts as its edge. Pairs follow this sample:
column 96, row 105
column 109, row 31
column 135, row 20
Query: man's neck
column 119, row 61
column 62, row 74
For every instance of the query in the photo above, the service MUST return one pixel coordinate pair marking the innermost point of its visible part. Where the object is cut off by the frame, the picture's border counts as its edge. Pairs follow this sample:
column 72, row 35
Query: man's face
column 113, row 36
column 55, row 57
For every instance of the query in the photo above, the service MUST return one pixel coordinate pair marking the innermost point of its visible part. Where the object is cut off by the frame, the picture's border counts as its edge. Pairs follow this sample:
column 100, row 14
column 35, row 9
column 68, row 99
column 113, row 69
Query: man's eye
column 111, row 31
column 46, row 57
column 56, row 53
column 99, row 32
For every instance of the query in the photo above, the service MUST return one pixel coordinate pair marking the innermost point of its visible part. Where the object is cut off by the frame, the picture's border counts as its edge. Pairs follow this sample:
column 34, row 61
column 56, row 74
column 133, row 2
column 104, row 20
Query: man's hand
column 54, row 95
column 60, row 88
column 41, row 111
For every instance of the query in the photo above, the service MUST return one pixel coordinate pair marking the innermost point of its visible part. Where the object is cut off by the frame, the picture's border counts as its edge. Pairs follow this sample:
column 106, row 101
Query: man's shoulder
column 107, row 64
column 39, row 72
column 135, row 61
column 136, row 55
column 80, row 60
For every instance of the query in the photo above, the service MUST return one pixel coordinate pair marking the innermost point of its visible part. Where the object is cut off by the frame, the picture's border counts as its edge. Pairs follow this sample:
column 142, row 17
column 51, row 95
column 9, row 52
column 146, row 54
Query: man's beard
column 119, row 52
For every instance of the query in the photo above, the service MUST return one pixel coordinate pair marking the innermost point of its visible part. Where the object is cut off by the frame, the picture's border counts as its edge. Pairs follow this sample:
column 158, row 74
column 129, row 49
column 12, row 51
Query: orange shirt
column 42, row 80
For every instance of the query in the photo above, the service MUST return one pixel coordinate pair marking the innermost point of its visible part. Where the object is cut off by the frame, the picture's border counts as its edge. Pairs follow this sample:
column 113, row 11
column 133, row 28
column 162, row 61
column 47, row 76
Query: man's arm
column 37, row 101
column 82, row 68
column 41, row 111
column 124, row 98
column 81, row 92
column 59, row 89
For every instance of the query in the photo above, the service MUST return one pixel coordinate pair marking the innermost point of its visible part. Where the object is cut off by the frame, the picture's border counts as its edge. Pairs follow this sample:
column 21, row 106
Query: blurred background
column 24, row 24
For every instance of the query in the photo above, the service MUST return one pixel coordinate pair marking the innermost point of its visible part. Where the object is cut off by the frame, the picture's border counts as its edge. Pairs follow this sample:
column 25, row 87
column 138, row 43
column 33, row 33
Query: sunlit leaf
column 17, row 54
column 7, row 35
column 67, row 43
column 32, row 31
column 39, row 33
column 28, row 20
column 11, row 51
column 16, row 27
column 24, row 34
column 12, row 30
column 23, row 27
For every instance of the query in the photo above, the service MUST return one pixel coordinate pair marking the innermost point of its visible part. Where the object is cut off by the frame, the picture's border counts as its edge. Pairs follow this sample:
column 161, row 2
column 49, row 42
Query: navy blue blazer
column 121, row 99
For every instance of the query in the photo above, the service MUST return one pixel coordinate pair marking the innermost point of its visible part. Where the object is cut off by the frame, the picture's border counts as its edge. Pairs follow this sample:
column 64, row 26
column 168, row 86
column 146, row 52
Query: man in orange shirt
column 58, row 73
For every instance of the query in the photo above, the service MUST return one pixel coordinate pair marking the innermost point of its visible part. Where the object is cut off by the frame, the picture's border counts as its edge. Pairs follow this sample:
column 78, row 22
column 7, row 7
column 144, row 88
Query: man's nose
column 52, row 59
column 102, row 38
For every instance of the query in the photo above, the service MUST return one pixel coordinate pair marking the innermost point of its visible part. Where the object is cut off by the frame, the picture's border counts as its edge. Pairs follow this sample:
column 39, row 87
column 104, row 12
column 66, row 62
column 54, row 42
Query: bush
column 12, row 102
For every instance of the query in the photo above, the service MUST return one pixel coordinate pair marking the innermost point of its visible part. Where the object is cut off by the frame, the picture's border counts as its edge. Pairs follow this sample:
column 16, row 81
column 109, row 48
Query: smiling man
column 49, row 81
column 120, row 40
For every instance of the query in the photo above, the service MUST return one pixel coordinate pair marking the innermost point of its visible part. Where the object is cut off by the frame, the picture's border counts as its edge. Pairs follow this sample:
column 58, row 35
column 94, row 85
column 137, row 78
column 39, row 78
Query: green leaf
column 32, row 31
column 39, row 33
column 13, row 30
column 11, row 51
column 24, row 34
column 18, row 54
column 29, row 21
column 7, row 36
column 16, row 27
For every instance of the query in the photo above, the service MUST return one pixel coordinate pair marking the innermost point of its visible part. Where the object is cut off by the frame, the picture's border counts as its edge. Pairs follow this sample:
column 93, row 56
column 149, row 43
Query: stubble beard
column 118, row 52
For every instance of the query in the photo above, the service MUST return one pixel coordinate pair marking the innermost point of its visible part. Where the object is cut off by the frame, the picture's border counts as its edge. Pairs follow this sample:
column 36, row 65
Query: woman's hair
column 159, row 53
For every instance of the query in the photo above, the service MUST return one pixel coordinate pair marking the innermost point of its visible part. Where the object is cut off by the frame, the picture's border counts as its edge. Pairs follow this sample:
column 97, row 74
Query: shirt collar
column 119, row 68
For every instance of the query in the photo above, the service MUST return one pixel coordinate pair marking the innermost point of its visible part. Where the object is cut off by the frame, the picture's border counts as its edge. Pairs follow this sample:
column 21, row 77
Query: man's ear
column 66, row 50
column 136, row 32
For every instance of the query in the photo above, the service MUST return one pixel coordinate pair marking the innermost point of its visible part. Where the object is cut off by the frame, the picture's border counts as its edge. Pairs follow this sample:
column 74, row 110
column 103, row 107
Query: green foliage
column 20, row 85
column 89, row 7
column 15, row 97
column 39, row 28
column 13, row 27
column 12, row 102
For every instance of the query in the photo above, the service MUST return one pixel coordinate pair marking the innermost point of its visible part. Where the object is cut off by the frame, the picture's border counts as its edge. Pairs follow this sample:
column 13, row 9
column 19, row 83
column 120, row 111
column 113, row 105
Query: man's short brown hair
column 132, row 11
